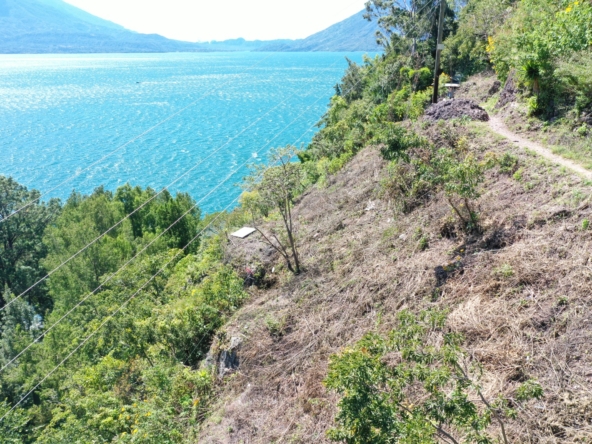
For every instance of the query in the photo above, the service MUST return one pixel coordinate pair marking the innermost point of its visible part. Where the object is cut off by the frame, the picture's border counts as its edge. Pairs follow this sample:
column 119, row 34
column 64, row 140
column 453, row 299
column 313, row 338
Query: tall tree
column 21, row 248
column 403, row 21
column 410, row 27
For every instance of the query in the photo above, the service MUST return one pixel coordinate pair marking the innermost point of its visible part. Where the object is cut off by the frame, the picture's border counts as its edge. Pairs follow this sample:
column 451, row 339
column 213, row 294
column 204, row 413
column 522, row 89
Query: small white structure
column 243, row 232
column 452, row 87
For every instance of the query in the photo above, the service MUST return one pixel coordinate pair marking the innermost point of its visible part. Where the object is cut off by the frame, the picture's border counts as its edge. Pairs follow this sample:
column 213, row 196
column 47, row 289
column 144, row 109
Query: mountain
column 352, row 34
column 53, row 26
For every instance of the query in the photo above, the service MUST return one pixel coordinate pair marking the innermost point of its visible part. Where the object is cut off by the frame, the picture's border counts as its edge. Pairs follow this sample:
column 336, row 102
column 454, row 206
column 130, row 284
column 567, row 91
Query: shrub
column 533, row 105
column 575, row 77
column 274, row 326
column 518, row 175
column 505, row 271
column 460, row 180
column 416, row 385
column 395, row 139
column 530, row 389
column 508, row 163
column 274, row 188
column 534, row 40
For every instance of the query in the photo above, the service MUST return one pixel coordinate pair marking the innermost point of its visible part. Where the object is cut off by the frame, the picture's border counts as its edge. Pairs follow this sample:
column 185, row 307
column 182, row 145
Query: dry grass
column 522, row 298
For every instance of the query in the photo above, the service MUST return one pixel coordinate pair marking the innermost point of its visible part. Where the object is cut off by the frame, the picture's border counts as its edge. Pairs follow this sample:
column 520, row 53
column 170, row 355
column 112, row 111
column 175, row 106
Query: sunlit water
column 59, row 114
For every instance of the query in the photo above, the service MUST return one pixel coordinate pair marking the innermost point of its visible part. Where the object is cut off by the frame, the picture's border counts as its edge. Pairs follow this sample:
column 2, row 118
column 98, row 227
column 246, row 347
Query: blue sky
column 204, row 20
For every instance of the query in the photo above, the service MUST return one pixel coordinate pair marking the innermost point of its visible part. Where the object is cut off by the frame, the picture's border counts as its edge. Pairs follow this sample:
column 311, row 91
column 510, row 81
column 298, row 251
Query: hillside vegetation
column 409, row 281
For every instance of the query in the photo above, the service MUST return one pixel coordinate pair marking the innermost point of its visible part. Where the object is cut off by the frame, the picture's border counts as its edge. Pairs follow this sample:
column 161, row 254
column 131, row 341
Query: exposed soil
column 519, row 293
column 455, row 109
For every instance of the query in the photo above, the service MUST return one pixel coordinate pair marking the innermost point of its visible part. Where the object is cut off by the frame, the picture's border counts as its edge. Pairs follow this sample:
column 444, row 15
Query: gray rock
column 508, row 94
column 228, row 360
column 223, row 361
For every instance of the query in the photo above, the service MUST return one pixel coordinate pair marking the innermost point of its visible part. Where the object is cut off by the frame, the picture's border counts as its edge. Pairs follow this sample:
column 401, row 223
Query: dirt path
column 498, row 126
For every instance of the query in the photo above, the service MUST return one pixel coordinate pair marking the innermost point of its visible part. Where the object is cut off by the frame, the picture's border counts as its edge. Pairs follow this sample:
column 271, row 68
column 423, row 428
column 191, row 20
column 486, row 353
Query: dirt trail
column 498, row 126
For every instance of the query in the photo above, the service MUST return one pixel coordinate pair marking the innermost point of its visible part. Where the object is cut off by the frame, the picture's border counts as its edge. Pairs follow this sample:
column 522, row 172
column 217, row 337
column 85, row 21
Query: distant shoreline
column 187, row 52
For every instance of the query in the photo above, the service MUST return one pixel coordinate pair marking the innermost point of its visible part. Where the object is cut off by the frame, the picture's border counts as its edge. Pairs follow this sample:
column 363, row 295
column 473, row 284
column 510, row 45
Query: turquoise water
column 59, row 114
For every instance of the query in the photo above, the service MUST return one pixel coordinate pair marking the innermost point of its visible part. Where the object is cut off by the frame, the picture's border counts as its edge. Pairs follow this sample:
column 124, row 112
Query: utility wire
column 129, row 142
column 94, row 241
column 112, row 315
column 85, row 341
column 145, row 284
column 149, row 130
column 154, row 240
column 204, row 336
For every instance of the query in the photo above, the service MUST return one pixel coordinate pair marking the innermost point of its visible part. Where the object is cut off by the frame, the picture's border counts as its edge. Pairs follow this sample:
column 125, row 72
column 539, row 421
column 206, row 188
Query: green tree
column 534, row 39
column 21, row 246
column 407, row 25
column 15, row 426
column 82, row 221
column 466, row 49
column 460, row 177
column 414, row 386
column 274, row 188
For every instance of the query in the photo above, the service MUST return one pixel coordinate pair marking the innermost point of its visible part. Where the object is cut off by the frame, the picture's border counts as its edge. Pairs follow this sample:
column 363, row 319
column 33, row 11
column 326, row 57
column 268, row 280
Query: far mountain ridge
column 54, row 26
column 352, row 34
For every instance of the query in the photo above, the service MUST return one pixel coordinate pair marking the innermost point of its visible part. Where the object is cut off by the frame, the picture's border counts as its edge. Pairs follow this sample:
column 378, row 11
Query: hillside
column 242, row 44
column 421, row 274
column 53, row 26
column 352, row 34
column 517, row 291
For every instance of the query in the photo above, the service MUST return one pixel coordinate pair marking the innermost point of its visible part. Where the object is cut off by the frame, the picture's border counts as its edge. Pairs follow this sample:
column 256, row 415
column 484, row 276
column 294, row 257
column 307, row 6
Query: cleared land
column 518, row 291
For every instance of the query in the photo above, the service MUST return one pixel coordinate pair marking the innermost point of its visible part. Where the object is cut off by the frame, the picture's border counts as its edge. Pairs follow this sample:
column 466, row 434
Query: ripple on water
column 62, row 113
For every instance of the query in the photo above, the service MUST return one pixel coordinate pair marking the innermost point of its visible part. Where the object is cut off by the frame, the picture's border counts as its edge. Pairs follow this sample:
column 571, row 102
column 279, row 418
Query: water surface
column 61, row 113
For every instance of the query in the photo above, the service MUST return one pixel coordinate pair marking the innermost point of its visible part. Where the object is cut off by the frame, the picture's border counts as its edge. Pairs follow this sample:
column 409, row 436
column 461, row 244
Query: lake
column 150, row 119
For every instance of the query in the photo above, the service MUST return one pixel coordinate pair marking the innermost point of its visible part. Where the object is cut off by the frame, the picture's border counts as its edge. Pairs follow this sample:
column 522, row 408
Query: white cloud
column 204, row 20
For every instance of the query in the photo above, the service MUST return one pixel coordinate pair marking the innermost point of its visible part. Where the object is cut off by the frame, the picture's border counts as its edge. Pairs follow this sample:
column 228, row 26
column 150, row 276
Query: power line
column 153, row 277
column 111, row 316
column 119, row 148
column 149, row 130
column 153, row 241
column 105, row 321
column 65, row 262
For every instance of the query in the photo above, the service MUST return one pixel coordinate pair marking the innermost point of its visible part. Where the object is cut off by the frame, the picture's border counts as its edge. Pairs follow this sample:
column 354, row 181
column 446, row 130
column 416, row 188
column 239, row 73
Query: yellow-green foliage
column 575, row 76
column 349, row 125
column 414, row 386
column 466, row 50
column 537, row 35
column 137, row 378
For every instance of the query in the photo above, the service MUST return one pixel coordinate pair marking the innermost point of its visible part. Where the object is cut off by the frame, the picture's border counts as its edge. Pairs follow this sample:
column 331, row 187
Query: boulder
column 508, row 94
column 226, row 360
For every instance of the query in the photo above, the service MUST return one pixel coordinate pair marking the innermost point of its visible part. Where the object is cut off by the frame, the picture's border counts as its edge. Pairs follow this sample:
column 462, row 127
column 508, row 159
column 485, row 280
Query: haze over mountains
column 53, row 26
column 352, row 34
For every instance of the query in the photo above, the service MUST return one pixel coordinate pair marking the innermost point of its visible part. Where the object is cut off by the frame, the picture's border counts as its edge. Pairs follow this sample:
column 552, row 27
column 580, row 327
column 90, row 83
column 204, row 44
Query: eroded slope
column 519, row 292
